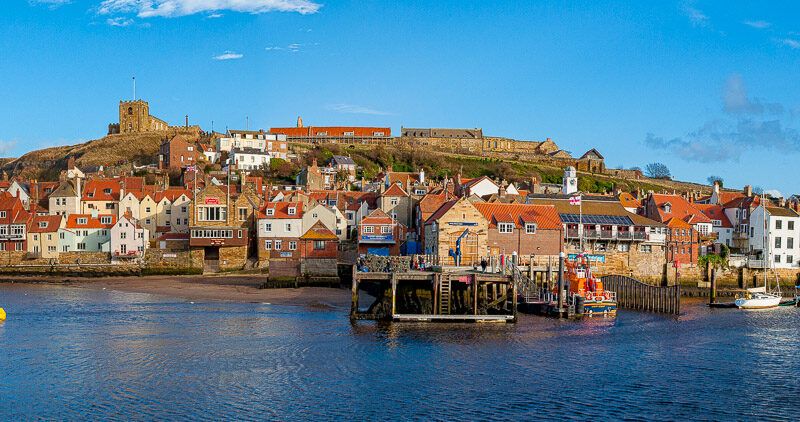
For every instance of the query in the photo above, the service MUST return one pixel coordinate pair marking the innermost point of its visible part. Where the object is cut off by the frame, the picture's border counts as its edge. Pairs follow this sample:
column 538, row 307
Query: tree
column 712, row 179
column 758, row 190
column 657, row 171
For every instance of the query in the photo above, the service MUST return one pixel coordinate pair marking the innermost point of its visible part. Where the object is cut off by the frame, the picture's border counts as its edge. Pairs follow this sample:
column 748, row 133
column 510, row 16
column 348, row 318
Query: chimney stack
column 716, row 187
column 748, row 191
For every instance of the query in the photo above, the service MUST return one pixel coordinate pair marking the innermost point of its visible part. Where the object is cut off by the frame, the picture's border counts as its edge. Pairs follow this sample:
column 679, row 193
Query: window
column 292, row 210
column 267, row 227
column 105, row 220
column 146, row 209
column 123, row 235
column 530, row 228
column 778, row 224
column 278, row 245
column 61, row 235
column 43, row 224
column 623, row 247
column 777, row 259
column 183, row 209
column 600, row 247
column 386, row 229
column 167, row 223
column 190, row 149
column 268, row 245
column 270, row 211
column 81, row 246
column 51, row 249
column 292, row 246
column 790, row 226
column 123, row 248
column 110, row 206
column 393, row 201
column 49, row 236
column 789, row 243
column 146, row 221
column 646, row 248
column 319, row 245
column 777, row 242
column 81, row 220
column 369, row 229
column 789, row 259
column 168, row 211
column 211, row 213
column 288, row 227
column 505, row 227
column 242, row 214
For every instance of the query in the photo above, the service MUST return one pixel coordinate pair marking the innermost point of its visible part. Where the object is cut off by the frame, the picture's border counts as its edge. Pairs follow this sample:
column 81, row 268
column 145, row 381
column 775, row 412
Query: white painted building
column 782, row 238
column 128, row 240
column 249, row 159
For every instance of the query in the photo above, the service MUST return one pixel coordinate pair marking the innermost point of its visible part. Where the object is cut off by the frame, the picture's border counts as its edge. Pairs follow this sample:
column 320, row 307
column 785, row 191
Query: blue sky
column 705, row 87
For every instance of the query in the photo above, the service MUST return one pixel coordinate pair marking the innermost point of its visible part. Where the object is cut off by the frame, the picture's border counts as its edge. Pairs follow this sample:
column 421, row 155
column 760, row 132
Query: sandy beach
column 222, row 288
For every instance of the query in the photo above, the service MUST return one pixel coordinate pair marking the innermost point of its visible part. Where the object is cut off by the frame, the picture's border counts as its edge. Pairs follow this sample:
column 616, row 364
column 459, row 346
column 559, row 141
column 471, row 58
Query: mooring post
column 394, row 292
column 436, row 281
column 712, row 297
column 354, row 292
column 560, row 282
column 475, row 292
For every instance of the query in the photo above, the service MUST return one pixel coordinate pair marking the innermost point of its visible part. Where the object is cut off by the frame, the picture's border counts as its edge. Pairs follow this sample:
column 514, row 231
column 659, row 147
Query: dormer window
column 292, row 211
column 43, row 224
column 83, row 221
column 530, row 228
column 107, row 191
column 270, row 211
column 90, row 194
column 667, row 207
column 105, row 220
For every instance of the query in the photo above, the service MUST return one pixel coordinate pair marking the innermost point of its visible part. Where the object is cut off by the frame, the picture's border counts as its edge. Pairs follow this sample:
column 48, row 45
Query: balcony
column 572, row 234
column 606, row 234
column 591, row 234
column 624, row 235
column 640, row 236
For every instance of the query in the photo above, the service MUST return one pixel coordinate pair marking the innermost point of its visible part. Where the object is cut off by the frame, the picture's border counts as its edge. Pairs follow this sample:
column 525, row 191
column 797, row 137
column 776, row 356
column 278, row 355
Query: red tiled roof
column 629, row 201
column 395, row 190
column 377, row 217
column 174, row 236
column 91, row 223
column 332, row 131
column 714, row 212
column 677, row 222
column 172, row 194
column 441, row 211
column 282, row 210
column 545, row 216
column 725, row 197
column 53, row 222
column 742, row 201
column 680, row 208
column 318, row 232
column 95, row 190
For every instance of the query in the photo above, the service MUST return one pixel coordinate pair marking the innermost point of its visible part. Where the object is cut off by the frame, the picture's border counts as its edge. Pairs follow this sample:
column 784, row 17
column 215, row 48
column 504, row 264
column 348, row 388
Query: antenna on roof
column 134, row 87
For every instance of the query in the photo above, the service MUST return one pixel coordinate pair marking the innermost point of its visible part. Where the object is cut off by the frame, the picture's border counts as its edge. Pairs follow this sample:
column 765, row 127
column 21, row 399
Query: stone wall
column 232, row 258
column 158, row 258
column 84, row 258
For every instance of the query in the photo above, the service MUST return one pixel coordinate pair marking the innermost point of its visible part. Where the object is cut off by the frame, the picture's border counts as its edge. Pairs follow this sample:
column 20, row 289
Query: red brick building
column 319, row 242
column 683, row 242
column 522, row 228
column 177, row 153
column 379, row 234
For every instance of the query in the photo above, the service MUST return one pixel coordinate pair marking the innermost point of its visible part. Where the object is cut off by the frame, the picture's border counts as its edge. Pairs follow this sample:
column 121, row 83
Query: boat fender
column 2, row 314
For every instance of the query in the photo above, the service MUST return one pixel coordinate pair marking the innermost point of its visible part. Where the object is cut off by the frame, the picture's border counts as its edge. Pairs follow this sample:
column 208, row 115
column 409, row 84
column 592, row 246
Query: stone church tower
column 134, row 116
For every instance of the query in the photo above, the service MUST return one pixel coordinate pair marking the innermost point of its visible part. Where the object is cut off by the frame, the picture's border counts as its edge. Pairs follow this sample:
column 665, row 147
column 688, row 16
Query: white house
column 86, row 232
column 128, row 240
column 782, row 237
column 249, row 159
column 330, row 217
column 262, row 141
column 209, row 153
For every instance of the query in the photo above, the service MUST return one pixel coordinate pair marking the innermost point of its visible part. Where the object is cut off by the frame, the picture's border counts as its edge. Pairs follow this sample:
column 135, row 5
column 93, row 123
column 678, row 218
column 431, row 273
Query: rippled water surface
column 70, row 353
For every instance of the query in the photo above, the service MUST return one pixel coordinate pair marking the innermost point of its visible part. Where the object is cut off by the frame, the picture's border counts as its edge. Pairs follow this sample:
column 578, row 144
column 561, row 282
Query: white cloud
column 758, row 24
column 790, row 43
column 119, row 21
column 175, row 8
column 228, row 55
column 697, row 17
column 214, row 15
column 271, row 48
column 355, row 109
column 6, row 146
column 54, row 3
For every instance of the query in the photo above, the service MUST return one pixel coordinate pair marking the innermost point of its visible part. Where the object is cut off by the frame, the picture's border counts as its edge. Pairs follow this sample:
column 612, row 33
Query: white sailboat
column 761, row 297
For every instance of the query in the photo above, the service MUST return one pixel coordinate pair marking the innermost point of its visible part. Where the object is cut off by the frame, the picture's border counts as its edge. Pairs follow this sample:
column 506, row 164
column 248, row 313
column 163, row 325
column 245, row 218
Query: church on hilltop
column 135, row 117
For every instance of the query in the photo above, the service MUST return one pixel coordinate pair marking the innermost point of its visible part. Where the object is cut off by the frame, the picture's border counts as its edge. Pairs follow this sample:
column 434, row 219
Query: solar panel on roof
column 614, row 220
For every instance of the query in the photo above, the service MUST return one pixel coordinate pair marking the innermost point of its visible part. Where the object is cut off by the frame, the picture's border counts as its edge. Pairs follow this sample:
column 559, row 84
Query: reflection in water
column 71, row 352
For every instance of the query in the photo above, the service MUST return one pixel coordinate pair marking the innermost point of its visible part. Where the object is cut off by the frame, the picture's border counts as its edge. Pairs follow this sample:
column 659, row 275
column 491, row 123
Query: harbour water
column 72, row 353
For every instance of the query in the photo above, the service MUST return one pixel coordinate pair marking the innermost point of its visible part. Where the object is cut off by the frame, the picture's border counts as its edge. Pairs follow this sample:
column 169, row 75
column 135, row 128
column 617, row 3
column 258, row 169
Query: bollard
column 560, row 282
column 713, row 294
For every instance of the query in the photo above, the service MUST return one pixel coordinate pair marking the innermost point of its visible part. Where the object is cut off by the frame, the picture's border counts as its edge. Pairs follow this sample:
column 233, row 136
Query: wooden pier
column 633, row 294
column 458, row 296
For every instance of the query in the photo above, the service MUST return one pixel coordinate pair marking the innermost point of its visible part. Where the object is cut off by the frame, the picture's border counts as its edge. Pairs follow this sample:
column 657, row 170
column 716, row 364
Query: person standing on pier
column 484, row 264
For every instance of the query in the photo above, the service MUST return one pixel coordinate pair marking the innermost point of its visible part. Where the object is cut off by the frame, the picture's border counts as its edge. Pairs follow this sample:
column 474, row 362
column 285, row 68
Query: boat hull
column 761, row 302
column 600, row 308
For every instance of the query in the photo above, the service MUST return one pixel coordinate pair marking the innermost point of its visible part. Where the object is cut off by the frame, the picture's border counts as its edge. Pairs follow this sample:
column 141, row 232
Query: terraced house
column 43, row 236
column 86, row 233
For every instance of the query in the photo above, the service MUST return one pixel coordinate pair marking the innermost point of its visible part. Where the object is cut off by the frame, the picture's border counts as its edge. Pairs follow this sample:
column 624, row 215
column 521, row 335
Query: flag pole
column 580, row 222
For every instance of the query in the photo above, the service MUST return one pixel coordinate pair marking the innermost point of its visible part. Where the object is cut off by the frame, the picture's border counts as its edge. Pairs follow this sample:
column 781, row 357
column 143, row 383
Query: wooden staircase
column 444, row 296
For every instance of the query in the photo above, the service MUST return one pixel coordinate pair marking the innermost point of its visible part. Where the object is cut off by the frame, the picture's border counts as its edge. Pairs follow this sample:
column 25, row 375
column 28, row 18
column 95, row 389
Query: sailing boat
column 760, row 297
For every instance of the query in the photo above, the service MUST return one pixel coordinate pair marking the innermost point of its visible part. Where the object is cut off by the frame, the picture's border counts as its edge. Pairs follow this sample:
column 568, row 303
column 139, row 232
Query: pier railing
column 633, row 294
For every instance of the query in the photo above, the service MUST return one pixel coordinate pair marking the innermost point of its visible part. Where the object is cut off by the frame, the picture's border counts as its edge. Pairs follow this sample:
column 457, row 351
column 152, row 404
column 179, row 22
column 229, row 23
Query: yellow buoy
column 2, row 315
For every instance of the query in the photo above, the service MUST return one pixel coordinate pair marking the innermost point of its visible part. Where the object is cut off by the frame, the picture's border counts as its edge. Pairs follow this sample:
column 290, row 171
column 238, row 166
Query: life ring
column 589, row 296
column 608, row 295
